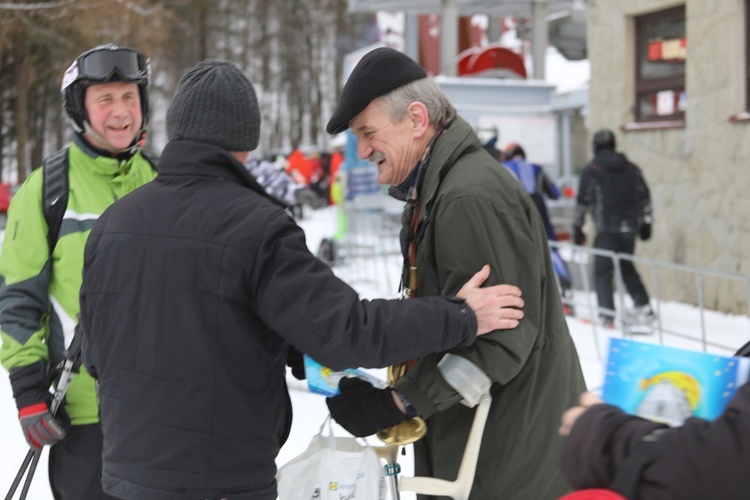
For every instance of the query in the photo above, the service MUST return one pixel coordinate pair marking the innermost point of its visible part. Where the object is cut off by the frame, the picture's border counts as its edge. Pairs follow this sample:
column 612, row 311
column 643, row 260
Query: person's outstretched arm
column 700, row 459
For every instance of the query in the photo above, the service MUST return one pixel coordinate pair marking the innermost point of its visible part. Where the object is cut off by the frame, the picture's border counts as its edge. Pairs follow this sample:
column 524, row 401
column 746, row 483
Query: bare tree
column 37, row 42
column 291, row 50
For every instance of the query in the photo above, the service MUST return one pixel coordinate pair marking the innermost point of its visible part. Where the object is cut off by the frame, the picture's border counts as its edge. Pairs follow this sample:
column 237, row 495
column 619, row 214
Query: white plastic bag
column 332, row 468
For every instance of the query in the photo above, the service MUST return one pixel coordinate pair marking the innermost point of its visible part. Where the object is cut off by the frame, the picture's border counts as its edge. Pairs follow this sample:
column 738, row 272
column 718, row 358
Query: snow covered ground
column 378, row 278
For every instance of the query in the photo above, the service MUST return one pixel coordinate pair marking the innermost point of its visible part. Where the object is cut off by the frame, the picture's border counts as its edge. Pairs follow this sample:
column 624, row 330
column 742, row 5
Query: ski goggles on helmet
column 101, row 65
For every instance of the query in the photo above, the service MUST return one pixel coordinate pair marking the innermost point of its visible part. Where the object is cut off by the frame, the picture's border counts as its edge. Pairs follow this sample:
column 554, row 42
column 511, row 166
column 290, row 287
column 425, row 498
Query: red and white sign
column 672, row 50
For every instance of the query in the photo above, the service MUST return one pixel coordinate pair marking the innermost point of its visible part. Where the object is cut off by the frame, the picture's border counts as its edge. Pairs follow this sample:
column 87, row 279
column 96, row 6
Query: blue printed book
column 668, row 384
column 323, row 380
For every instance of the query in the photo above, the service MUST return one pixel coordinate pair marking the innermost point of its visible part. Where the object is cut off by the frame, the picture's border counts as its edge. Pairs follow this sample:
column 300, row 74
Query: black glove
column 645, row 232
column 579, row 238
column 296, row 361
column 363, row 409
column 39, row 426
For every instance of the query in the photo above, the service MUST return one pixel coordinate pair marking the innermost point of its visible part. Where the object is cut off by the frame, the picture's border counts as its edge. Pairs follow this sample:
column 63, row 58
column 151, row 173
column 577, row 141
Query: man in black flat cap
column 195, row 287
column 462, row 211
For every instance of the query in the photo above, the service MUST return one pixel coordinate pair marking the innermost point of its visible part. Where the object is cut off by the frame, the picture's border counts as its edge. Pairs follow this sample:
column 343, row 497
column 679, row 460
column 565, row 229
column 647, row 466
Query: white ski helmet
column 102, row 64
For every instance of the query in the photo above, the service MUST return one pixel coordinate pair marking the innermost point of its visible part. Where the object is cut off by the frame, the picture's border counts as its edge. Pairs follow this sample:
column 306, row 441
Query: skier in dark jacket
column 462, row 208
column 615, row 191
column 193, row 290
column 698, row 460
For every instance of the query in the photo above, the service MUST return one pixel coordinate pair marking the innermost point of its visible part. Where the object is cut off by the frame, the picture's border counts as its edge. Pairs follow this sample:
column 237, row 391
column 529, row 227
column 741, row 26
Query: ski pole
column 72, row 355
column 30, row 475
column 21, row 472
column 32, row 457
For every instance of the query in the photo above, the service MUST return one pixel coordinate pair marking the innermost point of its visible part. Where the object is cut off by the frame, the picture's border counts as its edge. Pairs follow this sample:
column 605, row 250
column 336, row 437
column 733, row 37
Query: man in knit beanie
column 215, row 104
column 196, row 286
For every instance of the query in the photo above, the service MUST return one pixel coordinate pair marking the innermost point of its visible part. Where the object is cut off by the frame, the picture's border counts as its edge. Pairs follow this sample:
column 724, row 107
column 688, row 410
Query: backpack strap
column 55, row 193
column 55, row 189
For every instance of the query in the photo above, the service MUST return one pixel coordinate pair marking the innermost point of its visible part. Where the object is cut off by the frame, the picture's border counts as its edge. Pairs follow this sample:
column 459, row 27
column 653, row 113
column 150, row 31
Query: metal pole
column 411, row 36
column 657, row 293
column 565, row 150
column 449, row 38
column 620, row 288
column 493, row 29
column 539, row 37
column 391, row 472
column 699, row 284
column 587, row 290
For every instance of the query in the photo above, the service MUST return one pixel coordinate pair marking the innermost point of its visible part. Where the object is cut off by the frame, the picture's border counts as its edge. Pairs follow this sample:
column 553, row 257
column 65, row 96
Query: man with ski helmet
column 104, row 99
column 108, row 64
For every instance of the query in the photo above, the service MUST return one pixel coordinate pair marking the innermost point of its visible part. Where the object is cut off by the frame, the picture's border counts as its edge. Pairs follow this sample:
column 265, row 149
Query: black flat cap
column 379, row 72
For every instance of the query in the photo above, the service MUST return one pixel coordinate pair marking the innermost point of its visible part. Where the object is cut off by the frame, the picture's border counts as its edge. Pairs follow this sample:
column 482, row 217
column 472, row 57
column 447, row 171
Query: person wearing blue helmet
column 539, row 186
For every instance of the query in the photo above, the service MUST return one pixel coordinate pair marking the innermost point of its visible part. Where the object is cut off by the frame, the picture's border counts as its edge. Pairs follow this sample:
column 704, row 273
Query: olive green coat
column 478, row 213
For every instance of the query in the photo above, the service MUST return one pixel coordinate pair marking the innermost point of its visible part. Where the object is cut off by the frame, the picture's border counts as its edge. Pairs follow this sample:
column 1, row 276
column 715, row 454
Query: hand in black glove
column 645, row 232
column 363, row 409
column 296, row 361
column 39, row 426
column 579, row 237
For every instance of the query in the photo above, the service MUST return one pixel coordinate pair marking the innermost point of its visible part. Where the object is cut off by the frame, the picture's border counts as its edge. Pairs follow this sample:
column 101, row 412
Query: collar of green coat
column 458, row 138
column 80, row 154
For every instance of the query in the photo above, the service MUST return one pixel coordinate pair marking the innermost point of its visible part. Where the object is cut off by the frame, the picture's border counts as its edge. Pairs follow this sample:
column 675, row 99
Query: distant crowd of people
column 304, row 177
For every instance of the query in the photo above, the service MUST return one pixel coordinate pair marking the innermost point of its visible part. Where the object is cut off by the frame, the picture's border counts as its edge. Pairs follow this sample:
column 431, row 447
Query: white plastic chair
column 474, row 387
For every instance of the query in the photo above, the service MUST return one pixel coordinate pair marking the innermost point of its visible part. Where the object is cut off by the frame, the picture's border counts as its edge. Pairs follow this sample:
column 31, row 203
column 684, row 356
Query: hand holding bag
column 332, row 468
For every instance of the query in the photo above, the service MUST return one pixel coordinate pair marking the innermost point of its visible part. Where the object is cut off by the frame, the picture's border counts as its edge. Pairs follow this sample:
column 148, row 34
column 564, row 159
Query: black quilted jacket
column 194, row 286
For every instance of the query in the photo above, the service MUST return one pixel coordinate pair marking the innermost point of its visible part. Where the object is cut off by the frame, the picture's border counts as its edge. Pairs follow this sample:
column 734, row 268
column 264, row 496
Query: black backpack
column 55, row 190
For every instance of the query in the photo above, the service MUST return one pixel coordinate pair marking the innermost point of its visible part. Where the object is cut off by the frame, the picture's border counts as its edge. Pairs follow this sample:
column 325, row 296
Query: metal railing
column 662, row 329
column 367, row 250
column 368, row 256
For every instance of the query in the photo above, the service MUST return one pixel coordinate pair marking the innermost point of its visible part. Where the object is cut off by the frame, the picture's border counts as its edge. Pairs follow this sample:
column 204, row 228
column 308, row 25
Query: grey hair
column 440, row 111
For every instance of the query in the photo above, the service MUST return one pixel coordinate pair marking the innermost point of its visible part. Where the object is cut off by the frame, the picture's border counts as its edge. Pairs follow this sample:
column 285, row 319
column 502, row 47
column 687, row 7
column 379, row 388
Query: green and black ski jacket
column 38, row 291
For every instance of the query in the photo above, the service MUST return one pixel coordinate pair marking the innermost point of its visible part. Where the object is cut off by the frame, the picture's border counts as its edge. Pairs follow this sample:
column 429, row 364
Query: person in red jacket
column 299, row 167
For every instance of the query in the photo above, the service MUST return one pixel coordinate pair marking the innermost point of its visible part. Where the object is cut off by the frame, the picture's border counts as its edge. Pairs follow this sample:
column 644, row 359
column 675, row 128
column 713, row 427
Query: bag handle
column 332, row 438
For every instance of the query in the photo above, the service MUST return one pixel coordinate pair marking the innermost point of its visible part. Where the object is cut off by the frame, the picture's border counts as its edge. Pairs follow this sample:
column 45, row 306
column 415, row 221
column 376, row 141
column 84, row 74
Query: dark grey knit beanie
column 215, row 103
